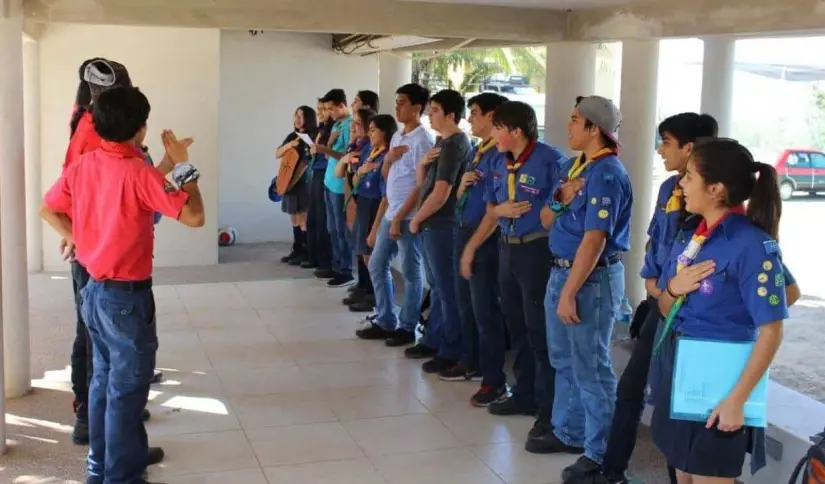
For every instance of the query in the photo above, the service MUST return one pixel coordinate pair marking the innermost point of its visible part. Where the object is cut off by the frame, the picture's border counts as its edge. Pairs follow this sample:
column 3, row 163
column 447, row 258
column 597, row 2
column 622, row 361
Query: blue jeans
column 124, row 338
column 383, row 253
column 439, row 262
column 338, row 233
column 580, row 353
column 479, row 308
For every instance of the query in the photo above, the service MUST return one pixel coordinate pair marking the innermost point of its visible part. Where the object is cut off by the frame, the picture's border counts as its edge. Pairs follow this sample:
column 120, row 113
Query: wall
column 263, row 79
column 178, row 69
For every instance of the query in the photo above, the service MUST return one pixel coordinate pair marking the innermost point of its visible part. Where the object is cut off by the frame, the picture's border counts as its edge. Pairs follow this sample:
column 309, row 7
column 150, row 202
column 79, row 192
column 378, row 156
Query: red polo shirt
column 84, row 139
column 110, row 194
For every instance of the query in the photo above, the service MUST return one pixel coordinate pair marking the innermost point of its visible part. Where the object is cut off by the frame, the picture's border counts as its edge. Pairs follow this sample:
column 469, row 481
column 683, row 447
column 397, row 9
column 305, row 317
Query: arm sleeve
column 450, row 162
column 762, row 284
column 489, row 184
column 606, row 190
column 291, row 136
column 651, row 268
column 156, row 194
column 59, row 197
column 790, row 280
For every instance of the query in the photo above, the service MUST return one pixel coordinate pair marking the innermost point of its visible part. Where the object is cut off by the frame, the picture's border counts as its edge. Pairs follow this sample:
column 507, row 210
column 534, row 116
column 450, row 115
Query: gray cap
column 102, row 74
column 603, row 113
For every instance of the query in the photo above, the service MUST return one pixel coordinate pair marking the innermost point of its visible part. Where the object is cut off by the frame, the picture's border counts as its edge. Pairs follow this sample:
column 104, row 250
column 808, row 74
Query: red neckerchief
column 705, row 231
column 514, row 165
column 123, row 150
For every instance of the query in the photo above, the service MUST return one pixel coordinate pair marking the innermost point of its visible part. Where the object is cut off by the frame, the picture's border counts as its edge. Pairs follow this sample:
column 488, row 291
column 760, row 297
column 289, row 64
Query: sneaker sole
column 455, row 378
column 339, row 286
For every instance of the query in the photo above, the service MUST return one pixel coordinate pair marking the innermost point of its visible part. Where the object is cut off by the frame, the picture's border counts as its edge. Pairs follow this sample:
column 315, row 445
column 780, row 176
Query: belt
column 526, row 239
column 127, row 286
column 567, row 263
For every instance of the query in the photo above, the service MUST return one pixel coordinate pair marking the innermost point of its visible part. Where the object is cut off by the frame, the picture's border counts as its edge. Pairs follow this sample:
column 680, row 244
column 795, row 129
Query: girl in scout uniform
column 725, row 283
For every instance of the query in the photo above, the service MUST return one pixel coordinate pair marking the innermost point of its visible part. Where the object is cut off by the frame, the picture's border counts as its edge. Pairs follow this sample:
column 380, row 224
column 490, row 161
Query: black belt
column 127, row 286
column 567, row 263
column 526, row 239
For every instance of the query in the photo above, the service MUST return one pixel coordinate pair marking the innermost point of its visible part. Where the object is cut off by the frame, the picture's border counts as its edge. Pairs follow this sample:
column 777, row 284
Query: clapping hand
column 177, row 151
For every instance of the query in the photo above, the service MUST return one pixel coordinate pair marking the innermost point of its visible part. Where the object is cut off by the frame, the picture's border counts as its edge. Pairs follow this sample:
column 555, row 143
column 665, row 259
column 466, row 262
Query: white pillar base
column 393, row 72
column 717, row 81
column 571, row 72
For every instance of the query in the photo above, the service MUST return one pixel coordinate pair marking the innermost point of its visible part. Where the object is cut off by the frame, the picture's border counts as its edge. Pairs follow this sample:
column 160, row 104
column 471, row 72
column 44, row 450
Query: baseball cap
column 603, row 113
column 102, row 74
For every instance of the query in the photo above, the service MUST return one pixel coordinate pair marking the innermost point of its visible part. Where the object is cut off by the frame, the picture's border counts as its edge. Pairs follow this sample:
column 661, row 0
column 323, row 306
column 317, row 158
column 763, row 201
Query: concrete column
column 717, row 81
column 640, row 71
column 31, row 114
column 14, row 287
column 393, row 72
column 571, row 72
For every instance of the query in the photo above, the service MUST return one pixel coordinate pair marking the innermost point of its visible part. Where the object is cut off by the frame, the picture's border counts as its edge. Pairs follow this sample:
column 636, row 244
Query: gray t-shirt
column 456, row 153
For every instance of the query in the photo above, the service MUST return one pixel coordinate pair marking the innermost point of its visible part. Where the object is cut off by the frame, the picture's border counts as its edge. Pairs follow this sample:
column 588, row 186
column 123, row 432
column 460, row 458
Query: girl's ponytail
column 765, row 204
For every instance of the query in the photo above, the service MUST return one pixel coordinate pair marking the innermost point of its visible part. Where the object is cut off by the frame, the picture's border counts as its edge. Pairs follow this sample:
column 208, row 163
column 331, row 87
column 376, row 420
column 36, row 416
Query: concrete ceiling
column 545, row 4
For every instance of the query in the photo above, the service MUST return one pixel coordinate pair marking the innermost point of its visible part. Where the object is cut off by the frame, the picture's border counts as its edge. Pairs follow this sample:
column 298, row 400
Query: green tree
column 816, row 115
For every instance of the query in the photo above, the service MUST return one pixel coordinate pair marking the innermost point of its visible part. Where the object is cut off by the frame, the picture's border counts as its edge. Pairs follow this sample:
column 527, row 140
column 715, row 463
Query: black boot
column 80, row 433
column 301, row 254
column 296, row 241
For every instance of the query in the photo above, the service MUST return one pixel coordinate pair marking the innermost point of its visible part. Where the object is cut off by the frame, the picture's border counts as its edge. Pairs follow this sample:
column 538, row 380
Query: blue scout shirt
column 663, row 229
column 475, row 206
column 372, row 184
column 534, row 183
column 603, row 204
column 746, row 290
column 332, row 182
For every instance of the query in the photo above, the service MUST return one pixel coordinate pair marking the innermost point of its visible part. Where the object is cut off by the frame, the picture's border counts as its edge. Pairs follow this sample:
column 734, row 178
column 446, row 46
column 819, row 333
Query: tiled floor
column 265, row 383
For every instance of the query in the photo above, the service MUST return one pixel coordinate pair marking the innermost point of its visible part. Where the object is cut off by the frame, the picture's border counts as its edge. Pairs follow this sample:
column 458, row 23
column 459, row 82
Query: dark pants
column 439, row 261
column 318, row 244
column 81, row 359
column 482, row 322
column 123, row 329
column 523, row 275
column 630, row 398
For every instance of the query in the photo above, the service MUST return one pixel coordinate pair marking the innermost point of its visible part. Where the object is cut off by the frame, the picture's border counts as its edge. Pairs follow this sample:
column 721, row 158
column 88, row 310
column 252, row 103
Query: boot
column 80, row 433
column 296, row 244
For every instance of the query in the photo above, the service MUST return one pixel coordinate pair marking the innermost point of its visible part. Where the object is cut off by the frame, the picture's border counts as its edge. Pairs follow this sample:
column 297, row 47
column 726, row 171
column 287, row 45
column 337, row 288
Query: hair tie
column 755, row 167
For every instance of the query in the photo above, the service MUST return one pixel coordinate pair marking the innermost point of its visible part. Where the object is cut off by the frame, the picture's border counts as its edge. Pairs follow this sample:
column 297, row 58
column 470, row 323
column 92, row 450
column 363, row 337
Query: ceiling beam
column 385, row 17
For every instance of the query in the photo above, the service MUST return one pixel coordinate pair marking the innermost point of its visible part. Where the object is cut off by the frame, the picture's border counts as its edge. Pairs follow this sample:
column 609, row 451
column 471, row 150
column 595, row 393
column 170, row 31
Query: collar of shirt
column 122, row 150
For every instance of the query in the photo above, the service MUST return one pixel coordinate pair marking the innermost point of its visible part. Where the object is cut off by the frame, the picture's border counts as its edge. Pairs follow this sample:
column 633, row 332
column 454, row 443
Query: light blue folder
column 705, row 372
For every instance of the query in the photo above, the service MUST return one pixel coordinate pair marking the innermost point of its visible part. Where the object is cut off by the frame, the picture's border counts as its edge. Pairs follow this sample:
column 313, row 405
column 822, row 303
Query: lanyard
column 687, row 257
column 375, row 153
column 482, row 149
column 513, row 167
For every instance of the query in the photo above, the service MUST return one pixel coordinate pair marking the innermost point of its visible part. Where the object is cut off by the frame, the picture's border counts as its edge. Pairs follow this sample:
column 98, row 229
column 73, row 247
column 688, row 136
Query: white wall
column 178, row 69
column 263, row 79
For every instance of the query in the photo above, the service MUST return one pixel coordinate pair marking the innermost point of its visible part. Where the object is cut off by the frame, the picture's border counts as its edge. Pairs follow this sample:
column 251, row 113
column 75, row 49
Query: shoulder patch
column 772, row 247
column 608, row 177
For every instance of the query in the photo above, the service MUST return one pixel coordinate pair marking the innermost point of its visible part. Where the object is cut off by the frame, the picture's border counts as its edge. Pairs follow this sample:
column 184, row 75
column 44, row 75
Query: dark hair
column 364, row 115
column 83, row 98
column 120, row 113
column 725, row 161
column 386, row 124
column 335, row 96
column 517, row 115
column 688, row 127
column 606, row 141
column 487, row 101
column 368, row 99
column 310, row 121
column 417, row 94
column 451, row 102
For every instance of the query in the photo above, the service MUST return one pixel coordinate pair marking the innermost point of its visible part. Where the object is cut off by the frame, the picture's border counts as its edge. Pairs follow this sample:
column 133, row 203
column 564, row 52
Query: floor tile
column 283, row 409
column 373, row 402
column 267, row 381
column 268, row 355
column 348, row 375
column 398, row 435
column 190, row 415
column 515, row 466
column 195, row 383
column 249, row 476
column 204, row 453
column 356, row 471
column 302, row 444
column 224, row 318
column 190, row 358
column 450, row 466
column 326, row 352
column 476, row 426
column 235, row 336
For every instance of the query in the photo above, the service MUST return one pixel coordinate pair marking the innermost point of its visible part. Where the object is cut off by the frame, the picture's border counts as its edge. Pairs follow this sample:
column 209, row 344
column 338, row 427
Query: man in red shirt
column 103, row 207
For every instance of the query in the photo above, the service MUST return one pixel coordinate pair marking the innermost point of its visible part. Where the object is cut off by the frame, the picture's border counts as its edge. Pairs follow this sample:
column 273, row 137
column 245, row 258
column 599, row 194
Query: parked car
column 800, row 171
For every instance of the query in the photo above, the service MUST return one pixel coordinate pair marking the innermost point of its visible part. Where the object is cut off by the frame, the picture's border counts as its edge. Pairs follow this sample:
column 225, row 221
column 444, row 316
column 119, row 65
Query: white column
column 14, row 288
column 571, row 72
column 393, row 72
column 717, row 81
column 31, row 114
column 640, row 71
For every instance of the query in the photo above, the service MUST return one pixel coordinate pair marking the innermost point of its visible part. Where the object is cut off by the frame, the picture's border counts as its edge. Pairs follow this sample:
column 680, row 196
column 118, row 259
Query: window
column 818, row 160
column 799, row 160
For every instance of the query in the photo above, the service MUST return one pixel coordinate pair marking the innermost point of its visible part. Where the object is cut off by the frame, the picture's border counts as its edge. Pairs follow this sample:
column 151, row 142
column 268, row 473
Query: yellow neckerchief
column 482, row 149
column 674, row 203
column 580, row 164
column 513, row 167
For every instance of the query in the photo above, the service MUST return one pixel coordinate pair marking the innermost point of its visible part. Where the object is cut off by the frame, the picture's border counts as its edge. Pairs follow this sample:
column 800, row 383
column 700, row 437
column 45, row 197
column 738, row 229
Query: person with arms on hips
column 439, row 173
column 590, row 230
column 103, row 205
column 517, row 185
column 295, row 202
column 393, row 229
column 726, row 283
column 319, row 247
column 479, row 309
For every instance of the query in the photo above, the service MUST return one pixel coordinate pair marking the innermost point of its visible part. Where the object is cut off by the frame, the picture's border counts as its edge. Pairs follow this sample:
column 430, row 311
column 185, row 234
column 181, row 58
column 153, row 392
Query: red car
column 800, row 171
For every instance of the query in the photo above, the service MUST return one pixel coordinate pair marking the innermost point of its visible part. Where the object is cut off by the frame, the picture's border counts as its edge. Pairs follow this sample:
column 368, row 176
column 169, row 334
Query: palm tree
column 471, row 66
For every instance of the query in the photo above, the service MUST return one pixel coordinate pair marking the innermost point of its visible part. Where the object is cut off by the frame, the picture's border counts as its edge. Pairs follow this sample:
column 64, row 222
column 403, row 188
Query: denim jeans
column 81, row 358
column 124, row 337
column 439, row 262
column 580, row 353
column 479, row 308
column 338, row 233
column 383, row 253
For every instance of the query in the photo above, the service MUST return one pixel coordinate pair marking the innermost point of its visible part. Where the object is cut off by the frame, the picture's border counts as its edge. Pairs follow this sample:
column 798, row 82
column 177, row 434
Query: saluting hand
column 430, row 156
column 511, row 209
column 469, row 178
column 689, row 278
column 569, row 190
column 177, row 151
column 396, row 153
column 367, row 168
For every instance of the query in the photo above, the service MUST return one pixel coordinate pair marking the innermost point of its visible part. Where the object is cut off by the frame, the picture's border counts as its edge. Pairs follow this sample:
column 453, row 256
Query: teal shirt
column 332, row 182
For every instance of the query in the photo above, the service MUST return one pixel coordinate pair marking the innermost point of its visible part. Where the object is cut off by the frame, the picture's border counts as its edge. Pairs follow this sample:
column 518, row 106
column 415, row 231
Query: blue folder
column 705, row 372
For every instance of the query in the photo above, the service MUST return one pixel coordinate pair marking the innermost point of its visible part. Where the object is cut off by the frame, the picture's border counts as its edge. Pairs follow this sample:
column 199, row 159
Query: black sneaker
column 309, row 264
column 373, row 332
column 457, row 373
column 437, row 365
column 355, row 288
column 419, row 352
column 584, row 471
column 540, row 427
column 399, row 338
column 156, row 455
column 157, row 377
column 341, row 280
column 354, row 296
column 364, row 306
column 285, row 259
column 487, row 395
column 548, row 443
column 324, row 274
column 80, row 433
column 297, row 260
column 508, row 406
column 145, row 415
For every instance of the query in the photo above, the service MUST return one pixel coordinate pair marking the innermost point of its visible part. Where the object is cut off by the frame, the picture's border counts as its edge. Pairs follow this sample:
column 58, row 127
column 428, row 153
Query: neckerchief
column 581, row 164
column 482, row 149
column 375, row 153
column 686, row 258
column 513, row 167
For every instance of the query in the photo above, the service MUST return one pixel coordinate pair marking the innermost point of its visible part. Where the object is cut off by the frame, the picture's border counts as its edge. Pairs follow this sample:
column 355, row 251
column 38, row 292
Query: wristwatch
column 184, row 173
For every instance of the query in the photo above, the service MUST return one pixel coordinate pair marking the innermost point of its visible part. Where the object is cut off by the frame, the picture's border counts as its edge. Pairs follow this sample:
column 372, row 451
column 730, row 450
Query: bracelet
column 670, row 292
column 184, row 173
column 557, row 207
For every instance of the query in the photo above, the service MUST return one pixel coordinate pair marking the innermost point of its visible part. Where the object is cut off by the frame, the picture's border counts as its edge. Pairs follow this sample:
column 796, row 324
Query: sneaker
column 419, row 352
column 508, row 406
column 373, row 332
column 399, row 338
column 341, row 280
column 308, row 264
column 487, row 395
column 324, row 274
column 285, row 259
column 80, row 432
column 437, row 365
column 355, row 296
column 540, row 427
column 584, row 470
column 456, row 373
column 355, row 288
column 548, row 443
column 145, row 415
column 364, row 306
column 157, row 377
column 297, row 260
column 156, row 455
